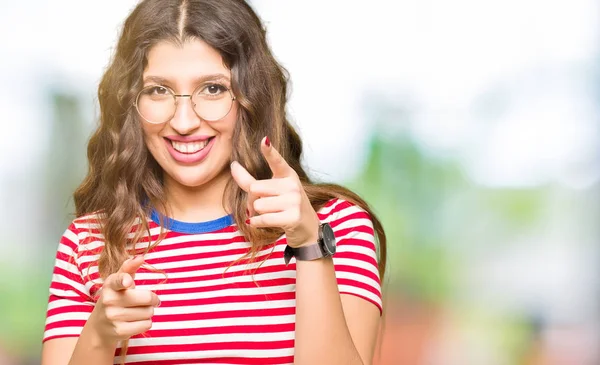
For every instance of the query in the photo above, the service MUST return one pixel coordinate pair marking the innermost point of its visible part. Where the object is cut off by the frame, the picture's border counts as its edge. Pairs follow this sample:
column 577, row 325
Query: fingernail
column 247, row 212
column 158, row 305
column 248, row 221
column 267, row 142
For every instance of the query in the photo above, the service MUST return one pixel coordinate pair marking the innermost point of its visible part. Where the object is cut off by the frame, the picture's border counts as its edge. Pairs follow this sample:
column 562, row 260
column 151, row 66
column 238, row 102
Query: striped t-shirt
column 214, row 308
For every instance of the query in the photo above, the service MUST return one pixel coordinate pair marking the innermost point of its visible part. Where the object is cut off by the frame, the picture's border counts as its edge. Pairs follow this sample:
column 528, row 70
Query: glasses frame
column 175, row 100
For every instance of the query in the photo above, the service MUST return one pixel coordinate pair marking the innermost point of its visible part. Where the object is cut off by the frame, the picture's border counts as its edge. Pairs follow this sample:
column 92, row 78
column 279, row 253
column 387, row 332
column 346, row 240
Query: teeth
column 190, row 147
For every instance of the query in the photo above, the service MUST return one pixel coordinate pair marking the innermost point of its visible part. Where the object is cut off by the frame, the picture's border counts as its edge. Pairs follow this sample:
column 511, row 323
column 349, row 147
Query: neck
column 197, row 204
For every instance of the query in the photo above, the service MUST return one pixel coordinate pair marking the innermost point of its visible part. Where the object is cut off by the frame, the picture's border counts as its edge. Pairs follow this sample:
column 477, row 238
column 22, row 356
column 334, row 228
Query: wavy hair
column 123, row 176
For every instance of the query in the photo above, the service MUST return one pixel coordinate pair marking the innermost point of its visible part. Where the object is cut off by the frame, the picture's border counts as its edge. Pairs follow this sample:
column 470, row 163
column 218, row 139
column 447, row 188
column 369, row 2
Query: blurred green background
column 471, row 127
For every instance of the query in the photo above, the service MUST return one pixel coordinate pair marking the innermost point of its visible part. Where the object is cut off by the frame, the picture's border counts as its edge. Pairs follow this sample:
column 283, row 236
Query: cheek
column 152, row 138
column 151, row 132
column 228, row 125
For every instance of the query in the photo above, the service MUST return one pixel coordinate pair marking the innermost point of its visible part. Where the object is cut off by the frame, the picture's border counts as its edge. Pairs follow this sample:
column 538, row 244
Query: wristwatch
column 325, row 247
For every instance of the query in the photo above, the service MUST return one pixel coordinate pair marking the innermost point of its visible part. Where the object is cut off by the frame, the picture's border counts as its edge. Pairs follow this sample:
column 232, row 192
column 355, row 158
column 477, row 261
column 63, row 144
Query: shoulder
column 81, row 230
column 338, row 210
column 86, row 224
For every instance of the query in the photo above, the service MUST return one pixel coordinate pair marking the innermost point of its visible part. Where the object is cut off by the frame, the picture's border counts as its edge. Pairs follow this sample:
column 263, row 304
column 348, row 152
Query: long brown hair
column 123, row 176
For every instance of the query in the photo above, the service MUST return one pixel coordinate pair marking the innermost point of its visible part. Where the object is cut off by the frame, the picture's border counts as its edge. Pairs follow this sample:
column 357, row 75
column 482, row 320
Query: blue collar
column 193, row 227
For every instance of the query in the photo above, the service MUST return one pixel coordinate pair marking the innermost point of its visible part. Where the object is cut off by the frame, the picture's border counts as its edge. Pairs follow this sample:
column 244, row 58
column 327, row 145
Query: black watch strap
column 304, row 253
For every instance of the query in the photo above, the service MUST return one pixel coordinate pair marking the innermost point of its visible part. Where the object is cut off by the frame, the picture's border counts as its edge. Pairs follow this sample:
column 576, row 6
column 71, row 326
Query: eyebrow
column 198, row 80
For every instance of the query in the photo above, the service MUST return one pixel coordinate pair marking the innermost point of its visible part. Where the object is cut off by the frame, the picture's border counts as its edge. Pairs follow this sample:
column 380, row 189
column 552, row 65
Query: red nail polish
column 247, row 221
column 267, row 142
column 247, row 212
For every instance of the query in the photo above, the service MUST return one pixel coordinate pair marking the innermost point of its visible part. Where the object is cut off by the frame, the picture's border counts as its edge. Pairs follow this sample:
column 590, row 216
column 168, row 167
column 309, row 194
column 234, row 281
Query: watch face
column 328, row 239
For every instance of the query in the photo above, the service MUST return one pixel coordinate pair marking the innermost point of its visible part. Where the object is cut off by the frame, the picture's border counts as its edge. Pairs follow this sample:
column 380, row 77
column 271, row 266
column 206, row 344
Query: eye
column 158, row 90
column 212, row 90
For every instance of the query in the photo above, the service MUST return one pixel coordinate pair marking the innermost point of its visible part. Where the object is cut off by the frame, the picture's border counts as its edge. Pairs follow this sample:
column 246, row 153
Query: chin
column 193, row 176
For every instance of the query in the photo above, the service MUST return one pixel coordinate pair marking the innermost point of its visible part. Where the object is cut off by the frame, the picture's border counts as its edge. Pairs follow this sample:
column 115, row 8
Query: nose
column 185, row 120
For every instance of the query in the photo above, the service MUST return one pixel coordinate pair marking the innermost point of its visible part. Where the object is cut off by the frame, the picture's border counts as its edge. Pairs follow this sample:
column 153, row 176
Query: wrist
column 95, row 338
column 307, row 242
column 322, row 246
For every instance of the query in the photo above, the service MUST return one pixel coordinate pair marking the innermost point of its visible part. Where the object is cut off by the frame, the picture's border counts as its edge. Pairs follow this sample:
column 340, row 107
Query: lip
column 189, row 158
column 188, row 138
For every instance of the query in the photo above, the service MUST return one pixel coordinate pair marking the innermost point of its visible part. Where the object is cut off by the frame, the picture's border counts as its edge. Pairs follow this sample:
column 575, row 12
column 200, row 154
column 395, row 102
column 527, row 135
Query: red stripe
column 358, row 284
column 78, row 308
column 242, row 345
column 378, row 305
column 356, row 256
column 357, row 215
column 358, row 271
column 338, row 208
column 242, row 313
column 225, row 275
column 77, row 295
column 230, row 299
column 66, row 323
column 224, row 360
column 246, row 284
column 220, row 330
column 340, row 233
column 68, row 274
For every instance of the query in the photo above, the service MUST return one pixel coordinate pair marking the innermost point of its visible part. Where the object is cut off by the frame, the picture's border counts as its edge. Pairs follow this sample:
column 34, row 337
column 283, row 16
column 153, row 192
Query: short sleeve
column 355, row 259
column 70, row 303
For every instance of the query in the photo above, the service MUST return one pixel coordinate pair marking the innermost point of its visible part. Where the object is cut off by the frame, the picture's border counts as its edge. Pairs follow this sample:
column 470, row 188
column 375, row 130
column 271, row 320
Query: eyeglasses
column 157, row 104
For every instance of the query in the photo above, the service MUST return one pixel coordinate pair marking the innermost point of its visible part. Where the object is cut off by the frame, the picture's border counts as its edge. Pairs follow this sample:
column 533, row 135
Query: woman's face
column 191, row 150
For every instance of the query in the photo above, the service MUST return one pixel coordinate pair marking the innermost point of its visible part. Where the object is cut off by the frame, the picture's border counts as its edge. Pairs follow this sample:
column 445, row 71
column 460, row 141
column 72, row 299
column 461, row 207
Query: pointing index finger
column 277, row 163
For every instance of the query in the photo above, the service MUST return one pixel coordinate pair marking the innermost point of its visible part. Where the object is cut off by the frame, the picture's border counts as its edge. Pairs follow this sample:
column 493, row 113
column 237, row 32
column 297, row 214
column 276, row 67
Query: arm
column 331, row 328
column 121, row 312
column 88, row 349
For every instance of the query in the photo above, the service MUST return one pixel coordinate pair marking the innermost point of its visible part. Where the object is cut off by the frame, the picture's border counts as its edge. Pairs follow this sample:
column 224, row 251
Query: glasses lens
column 156, row 104
column 212, row 102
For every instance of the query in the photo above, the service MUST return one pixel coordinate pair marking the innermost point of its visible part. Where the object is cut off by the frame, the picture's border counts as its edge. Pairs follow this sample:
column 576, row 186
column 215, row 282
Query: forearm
column 91, row 349
column 322, row 336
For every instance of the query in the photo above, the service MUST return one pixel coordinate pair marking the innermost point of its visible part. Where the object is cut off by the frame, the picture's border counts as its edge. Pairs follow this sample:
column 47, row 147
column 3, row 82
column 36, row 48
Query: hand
column 122, row 310
column 280, row 201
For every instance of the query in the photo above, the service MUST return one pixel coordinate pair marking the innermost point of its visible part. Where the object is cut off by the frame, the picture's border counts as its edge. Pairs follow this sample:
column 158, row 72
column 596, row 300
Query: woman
column 199, row 238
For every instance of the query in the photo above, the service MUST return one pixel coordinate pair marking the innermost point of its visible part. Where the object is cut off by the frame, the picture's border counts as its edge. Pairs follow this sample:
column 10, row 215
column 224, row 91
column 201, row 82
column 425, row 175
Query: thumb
column 241, row 176
column 123, row 279
column 130, row 266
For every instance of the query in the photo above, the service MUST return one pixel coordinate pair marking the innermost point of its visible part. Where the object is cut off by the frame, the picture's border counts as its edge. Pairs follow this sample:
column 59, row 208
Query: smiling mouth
column 190, row 147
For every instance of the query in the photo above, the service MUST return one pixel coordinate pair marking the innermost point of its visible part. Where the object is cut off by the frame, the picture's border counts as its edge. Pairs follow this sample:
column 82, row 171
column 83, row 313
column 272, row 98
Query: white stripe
column 155, row 232
column 68, row 293
column 204, row 272
column 67, row 250
column 224, row 322
column 62, row 331
column 206, row 354
column 353, row 224
column 356, row 263
column 230, row 292
column 71, row 236
column 67, row 265
column 214, row 338
column 360, row 292
column 99, row 238
column 356, row 249
column 60, row 303
column 221, row 307
column 327, row 210
column 228, row 280
column 198, row 262
column 356, row 277
column 68, row 316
